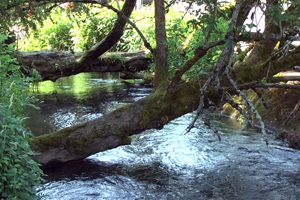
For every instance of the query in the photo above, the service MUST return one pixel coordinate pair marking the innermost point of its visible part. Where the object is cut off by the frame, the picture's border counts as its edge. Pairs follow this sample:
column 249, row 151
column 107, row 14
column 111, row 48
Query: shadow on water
column 170, row 164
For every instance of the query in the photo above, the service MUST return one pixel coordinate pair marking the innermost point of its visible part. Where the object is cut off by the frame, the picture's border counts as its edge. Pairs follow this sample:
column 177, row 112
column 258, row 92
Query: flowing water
column 166, row 163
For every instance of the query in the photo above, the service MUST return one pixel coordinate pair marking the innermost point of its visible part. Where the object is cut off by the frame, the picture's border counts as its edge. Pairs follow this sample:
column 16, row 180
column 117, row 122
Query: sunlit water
column 79, row 98
column 170, row 164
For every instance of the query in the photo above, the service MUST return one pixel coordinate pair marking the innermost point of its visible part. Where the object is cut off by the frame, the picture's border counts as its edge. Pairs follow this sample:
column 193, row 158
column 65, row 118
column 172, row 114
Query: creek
column 160, row 164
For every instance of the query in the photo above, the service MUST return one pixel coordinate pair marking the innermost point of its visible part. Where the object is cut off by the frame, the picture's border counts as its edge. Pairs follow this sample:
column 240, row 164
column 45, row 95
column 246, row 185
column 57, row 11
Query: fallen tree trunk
column 112, row 130
column 52, row 65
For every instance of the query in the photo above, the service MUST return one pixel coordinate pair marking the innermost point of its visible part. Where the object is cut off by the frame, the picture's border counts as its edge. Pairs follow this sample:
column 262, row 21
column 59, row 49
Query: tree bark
column 112, row 130
column 52, row 65
column 161, row 50
column 256, row 63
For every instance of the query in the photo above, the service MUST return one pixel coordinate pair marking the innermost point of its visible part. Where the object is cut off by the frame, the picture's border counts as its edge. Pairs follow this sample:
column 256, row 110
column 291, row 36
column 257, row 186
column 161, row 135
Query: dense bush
column 54, row 33
column 18, row 172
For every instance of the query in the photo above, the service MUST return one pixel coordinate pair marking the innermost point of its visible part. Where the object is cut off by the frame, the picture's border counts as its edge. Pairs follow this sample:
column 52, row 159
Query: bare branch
column 169, row 4
column 284, row 79
column 199, row 53
column 296, row 108
column 240, row 14
column 250, row 105
column 225, row 60
column 199, row 110
column 249, row 37
column 146, row 43
column 230, row 101
column 208, row 124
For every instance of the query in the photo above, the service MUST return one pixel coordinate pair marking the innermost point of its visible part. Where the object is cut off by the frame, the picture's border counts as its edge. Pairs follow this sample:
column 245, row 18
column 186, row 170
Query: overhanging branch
column 146, row 43
column 113, row 37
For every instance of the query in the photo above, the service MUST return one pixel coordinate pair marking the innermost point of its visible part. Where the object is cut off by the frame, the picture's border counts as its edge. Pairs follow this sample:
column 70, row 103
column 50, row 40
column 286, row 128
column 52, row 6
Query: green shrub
column 56, row 33
column 18, row 172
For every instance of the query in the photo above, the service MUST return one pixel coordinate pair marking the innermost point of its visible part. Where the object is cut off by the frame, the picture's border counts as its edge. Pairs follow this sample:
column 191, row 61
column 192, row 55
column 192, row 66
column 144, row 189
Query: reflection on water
column 79, row 98
column 80, row 86
column 167, row 163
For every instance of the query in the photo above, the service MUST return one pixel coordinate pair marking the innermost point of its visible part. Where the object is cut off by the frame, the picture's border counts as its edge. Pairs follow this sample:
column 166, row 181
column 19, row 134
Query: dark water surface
column 166, row 163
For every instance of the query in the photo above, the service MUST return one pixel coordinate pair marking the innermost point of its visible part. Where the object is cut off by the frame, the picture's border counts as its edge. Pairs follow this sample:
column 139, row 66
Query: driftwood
column 52, row 65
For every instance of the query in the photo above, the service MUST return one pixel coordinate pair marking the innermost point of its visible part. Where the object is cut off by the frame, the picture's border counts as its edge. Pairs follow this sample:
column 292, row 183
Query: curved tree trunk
column 113, row 37
column 68, row 64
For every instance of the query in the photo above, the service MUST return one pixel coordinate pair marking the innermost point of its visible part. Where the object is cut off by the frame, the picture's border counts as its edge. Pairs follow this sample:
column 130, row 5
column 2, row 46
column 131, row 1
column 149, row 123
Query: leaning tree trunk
column 112, row 130
column 113, row 37
column 66, row 64
column 258, row 61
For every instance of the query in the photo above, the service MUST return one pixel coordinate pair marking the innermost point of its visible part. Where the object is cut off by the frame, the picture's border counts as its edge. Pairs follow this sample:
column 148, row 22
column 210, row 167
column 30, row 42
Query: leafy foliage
column 18, row 172
column 186, row 34
column 65, row 30
column 58, row 36
column 23, row 13
column 92, row 28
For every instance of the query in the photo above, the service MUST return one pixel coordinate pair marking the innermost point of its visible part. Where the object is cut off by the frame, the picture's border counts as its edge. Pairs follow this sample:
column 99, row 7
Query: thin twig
column 250, row 105
column 146, row 43
column 199, row 110
column 296, row 108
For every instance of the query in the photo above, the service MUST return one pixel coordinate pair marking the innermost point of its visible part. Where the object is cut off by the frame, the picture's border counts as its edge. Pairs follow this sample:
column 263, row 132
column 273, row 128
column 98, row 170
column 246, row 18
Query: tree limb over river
column 174, row 96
